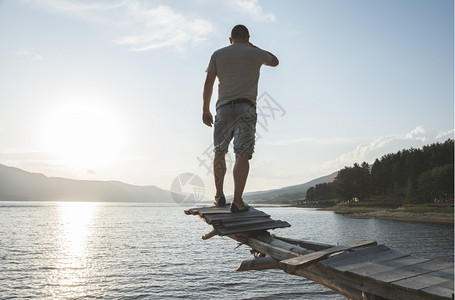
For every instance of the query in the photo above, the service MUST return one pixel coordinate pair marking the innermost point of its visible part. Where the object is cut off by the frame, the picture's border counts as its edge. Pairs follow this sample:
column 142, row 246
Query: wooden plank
column 439, row 290
column 448, row 284
column 375, row 257
column 344, row 284
column 209, row 235
column 190, row 211
column 290, row 265
column 446, row 273
column 260, row 263
column 420, row 282
column 315, row 246
column 412, row 270
column 353, row 289
column 278, row 252
column 369, row 269
column 251, row 213
column 248, row 228
column 251, row 221
column 214, row 210
column 207, row 209
column 291, row 247
column 355, row 255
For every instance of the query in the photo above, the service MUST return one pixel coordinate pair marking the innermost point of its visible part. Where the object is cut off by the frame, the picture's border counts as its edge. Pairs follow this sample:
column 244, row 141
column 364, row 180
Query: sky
column 112, row 90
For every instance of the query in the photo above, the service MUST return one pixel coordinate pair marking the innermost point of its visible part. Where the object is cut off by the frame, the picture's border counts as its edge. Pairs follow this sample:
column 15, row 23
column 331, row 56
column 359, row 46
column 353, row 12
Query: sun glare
column 85, row 135
column 76, row 218
column 70, row 271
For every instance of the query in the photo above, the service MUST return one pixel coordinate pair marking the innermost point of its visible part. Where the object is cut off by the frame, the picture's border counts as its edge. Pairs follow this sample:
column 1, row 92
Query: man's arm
column 274, row 62
column 207, row 117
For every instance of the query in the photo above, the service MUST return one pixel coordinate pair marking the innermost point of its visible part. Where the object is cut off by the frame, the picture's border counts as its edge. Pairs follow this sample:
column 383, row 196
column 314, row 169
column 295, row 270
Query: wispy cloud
column 297, row 141
column 143, row 25
column 418, row 134
column 444, row 135
column 28, row 55
column 253, row 9
column 157, row 27
column 416, row 138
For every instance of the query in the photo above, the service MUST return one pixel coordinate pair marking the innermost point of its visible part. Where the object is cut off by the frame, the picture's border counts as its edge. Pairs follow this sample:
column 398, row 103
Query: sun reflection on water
column 76, row 218
column 71, row 267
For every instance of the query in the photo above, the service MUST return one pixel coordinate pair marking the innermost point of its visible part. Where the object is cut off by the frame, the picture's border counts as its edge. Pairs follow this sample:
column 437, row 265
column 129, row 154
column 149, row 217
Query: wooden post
column 260, row 263
column 209, row 235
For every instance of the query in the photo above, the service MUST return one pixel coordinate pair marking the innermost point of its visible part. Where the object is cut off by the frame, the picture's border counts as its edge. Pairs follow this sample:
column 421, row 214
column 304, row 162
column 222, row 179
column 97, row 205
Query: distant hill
column 19, row 185
column 286, row 195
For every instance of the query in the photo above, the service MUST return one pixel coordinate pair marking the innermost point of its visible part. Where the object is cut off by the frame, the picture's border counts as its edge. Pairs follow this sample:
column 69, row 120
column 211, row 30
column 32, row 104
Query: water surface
column 146, row 251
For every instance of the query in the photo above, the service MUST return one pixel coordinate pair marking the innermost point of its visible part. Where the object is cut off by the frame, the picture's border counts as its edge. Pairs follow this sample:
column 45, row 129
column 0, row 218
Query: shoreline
column 392, row 214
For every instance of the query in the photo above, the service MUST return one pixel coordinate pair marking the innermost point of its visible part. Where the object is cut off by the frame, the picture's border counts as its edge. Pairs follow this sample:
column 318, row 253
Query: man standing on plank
column 237, row 69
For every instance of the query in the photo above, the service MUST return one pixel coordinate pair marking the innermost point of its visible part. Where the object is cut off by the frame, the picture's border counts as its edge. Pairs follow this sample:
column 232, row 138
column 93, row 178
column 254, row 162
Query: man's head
column 239, row 34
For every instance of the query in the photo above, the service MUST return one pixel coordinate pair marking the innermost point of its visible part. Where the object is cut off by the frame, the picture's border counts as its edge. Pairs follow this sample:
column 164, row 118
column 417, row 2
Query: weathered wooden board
column 273, row 250
column 290, row 265
column 376, row 257
column 356, row 255
column 369, row 269
column 251, row 213
column 412, row 270
column 439, row 290
column 448, row 284
column 248, row 228
column 315, row 246
column 208, row 210
column 250, row 221
column 425, row 280
column 259, row 263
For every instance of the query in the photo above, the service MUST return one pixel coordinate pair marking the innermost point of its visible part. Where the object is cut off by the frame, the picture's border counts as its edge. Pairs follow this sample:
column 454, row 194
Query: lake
column 54, row 250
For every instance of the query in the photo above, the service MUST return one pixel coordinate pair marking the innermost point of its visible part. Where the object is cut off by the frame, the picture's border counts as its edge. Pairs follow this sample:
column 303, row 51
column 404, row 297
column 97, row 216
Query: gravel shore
column 394, row 215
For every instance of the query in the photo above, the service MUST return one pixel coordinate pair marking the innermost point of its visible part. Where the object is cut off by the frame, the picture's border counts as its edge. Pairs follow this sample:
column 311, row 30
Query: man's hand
column 207, row 118
column 274, row 62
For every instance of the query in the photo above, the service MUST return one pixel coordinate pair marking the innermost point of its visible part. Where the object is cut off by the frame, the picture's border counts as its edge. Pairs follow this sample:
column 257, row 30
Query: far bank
column 416, row 213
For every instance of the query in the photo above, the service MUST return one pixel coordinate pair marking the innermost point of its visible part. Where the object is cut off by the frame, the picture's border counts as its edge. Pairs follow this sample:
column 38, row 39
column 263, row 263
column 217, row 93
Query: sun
column 83, row 135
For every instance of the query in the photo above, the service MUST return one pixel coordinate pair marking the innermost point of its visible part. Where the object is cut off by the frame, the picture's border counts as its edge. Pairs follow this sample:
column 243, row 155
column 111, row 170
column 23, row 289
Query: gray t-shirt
column 237, row 68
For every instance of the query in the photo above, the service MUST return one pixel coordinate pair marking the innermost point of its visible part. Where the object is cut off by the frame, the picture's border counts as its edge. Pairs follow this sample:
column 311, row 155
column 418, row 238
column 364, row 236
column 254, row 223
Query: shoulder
column 223, row 50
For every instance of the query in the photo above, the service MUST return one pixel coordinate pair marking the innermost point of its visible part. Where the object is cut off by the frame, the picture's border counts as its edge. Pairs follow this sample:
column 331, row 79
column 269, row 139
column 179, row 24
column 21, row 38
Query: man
column 237, row 69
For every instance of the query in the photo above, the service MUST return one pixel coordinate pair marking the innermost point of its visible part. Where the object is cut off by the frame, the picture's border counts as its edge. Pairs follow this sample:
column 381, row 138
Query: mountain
column 290, row 194
column 19, row 185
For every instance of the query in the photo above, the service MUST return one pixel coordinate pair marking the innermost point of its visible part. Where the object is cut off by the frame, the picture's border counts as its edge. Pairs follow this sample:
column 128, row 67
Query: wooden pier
column 358, row 270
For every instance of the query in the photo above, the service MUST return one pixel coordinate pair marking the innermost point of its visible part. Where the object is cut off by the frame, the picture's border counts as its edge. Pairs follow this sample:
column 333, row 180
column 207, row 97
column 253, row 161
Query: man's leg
column 241, row 169
column 219, row 171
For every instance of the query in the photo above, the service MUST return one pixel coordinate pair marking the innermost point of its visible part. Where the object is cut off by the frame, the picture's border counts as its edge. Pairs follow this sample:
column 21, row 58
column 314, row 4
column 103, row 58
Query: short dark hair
column 240, row 32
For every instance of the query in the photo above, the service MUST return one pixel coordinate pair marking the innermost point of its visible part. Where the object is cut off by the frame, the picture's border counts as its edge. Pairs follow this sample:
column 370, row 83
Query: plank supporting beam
column 260, row 263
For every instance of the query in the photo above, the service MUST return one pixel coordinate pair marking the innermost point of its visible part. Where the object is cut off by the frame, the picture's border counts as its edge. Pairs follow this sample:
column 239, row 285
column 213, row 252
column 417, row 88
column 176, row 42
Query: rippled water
column 144, row 251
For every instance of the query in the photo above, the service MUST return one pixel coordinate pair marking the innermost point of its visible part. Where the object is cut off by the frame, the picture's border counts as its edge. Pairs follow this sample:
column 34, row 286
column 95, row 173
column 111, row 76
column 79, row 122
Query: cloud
column 28, row 55
column 444, row 135
column 301, row 141
column 416, row 138
column 157, row 27
column 253, row 9
column 143, row 26
column 418, row 133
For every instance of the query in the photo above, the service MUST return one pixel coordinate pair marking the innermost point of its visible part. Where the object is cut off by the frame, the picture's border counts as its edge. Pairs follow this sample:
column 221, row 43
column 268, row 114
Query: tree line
column 414, row 175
